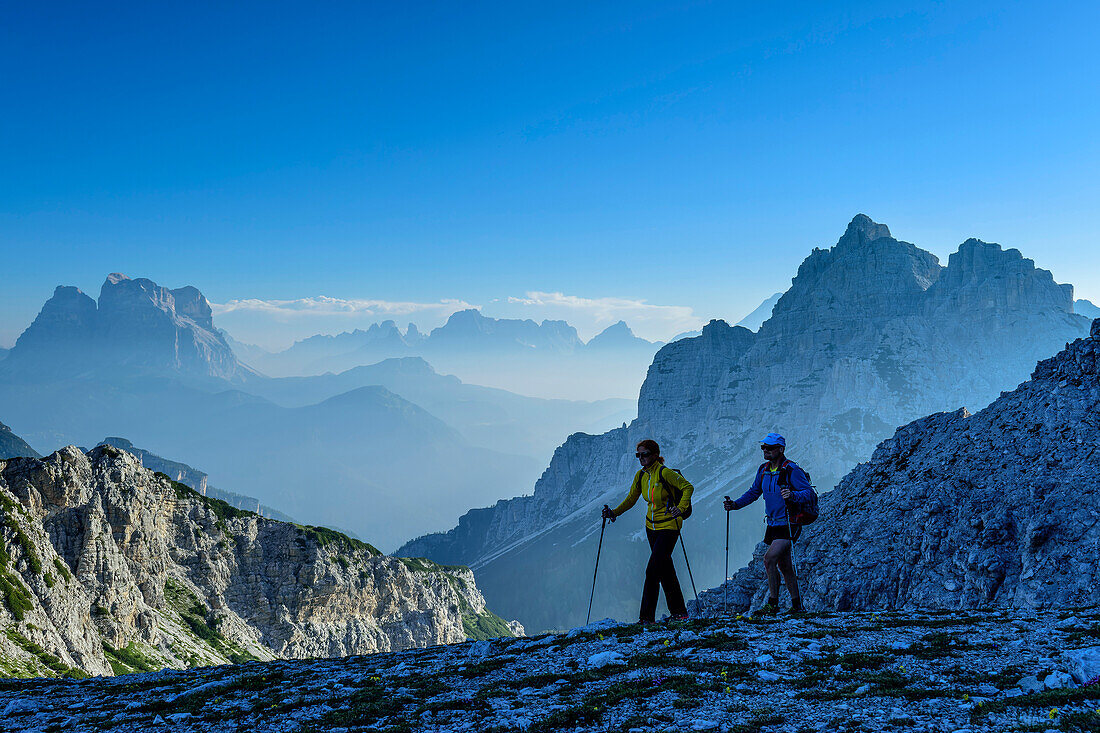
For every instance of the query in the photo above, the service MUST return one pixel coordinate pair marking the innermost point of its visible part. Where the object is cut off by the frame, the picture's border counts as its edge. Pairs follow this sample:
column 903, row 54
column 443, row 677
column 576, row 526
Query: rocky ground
column 937, row 671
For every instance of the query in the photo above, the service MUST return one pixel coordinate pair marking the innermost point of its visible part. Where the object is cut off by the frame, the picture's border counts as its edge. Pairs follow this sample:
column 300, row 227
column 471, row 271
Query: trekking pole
column 593, row 594
column 689, row 568
column 725, row 582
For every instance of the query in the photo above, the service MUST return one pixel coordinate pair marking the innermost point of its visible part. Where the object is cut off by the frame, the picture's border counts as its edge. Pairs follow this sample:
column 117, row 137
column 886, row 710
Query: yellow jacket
column 647, row 484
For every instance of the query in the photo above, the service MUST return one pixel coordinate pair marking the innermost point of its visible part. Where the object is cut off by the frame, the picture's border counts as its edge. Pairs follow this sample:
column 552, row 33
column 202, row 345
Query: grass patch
column 1046, row 699
column 24, row 542
column 484, row 626
column 937, row 645
column 723, row 643
column 222, row 510
column 592, row 708
column 325, row 537
column 129, row 659
column 16, row 596
column 47, row 660
column 481, row 668
column 366, row 705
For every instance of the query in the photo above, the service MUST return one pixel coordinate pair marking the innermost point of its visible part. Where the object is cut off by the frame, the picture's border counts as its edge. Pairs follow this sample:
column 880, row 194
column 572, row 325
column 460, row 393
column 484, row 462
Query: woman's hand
column 608, row 513
column 674, row 512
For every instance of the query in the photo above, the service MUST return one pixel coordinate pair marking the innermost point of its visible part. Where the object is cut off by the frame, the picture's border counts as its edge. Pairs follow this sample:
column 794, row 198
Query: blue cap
column 774, row 439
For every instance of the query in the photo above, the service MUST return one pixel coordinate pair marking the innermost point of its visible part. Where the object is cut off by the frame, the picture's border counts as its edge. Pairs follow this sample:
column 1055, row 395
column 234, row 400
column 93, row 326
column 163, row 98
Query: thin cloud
column 325, row 306
column 275, row 324
column 654, row 322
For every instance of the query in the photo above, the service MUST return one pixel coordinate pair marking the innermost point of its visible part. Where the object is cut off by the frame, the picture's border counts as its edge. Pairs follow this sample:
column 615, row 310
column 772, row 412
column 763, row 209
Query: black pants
column 661, row 572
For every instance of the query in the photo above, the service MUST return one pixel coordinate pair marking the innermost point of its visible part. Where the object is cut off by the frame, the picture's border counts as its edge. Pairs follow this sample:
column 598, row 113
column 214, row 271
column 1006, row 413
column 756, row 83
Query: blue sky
column 627, row 156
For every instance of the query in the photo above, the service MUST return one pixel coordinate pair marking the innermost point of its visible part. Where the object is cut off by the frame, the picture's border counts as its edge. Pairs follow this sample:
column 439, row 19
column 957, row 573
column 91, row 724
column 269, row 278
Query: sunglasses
column 642, row 454
column 770, row 447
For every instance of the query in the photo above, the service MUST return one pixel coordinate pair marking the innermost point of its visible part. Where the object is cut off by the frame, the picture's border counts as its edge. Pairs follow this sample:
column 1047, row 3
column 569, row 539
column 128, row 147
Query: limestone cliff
column 107, row 566
column 999, row 508
column 872, row 333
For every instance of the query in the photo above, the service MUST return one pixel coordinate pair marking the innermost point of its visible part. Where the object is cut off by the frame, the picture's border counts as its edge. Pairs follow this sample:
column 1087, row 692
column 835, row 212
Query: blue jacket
column 767, row 483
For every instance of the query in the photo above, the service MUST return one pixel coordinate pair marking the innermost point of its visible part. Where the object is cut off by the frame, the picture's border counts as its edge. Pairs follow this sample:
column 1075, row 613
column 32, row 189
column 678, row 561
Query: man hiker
column 660, row 487
column 778, row 479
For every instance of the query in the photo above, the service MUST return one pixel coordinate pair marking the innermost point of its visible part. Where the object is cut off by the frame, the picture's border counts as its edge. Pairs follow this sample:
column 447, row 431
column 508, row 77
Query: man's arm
column 800, row 485
column 749, row 496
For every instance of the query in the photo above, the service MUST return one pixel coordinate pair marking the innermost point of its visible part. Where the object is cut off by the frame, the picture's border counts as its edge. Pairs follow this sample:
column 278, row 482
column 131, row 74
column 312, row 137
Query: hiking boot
column 678, row 617
column 796, row 609
column 768, row 609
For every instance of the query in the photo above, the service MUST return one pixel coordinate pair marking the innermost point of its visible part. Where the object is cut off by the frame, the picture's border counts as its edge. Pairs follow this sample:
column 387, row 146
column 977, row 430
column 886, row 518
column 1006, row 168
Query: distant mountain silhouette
column 1086, row 308
column 546, row 359
column 485, row 416
column 12, row 446
column 761, row 313
column 137, row 327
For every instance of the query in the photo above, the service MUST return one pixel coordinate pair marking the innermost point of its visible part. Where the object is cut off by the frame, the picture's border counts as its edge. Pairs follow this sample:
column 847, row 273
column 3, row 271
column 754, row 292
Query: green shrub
column 324, row 537
column 63, row 569
column 16, row 596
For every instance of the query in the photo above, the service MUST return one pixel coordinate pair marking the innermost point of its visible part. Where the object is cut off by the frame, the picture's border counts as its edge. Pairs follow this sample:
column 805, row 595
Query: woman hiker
column 778, row 479
column 663, row 521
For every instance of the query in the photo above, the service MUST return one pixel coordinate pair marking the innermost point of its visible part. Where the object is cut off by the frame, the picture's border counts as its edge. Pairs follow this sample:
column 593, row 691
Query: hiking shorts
column 779, row 532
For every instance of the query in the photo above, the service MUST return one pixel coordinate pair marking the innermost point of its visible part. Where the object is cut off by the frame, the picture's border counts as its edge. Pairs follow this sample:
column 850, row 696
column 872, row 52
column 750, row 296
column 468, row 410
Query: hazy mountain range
column 872, row 333
column 146, row 362
column 545, row 359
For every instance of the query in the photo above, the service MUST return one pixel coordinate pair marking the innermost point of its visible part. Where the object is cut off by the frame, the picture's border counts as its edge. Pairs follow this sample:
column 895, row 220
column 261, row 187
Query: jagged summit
column 469, row 329
column 862, row 229
column 617, row 336
column 136, row 325
column 987, row 276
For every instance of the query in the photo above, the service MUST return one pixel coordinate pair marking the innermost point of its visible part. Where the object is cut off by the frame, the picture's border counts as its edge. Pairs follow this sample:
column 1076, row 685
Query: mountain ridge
column 112, row 567
column 870, row 335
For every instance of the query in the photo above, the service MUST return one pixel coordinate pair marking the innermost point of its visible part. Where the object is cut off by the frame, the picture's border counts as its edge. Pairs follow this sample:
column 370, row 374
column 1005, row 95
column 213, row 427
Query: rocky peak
column 471, row 329
column 191, row 303
column 466, row 320
column 981, row 276
column 69, row 316
column 616, row 333
column 102, row 554
column 867, row 277
column 862, row 230
column 137, row 324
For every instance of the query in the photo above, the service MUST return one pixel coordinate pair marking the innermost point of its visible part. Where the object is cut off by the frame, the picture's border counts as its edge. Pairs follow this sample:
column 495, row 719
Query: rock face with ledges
column 999, row 508
column 872, row 333
column 101, row 554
